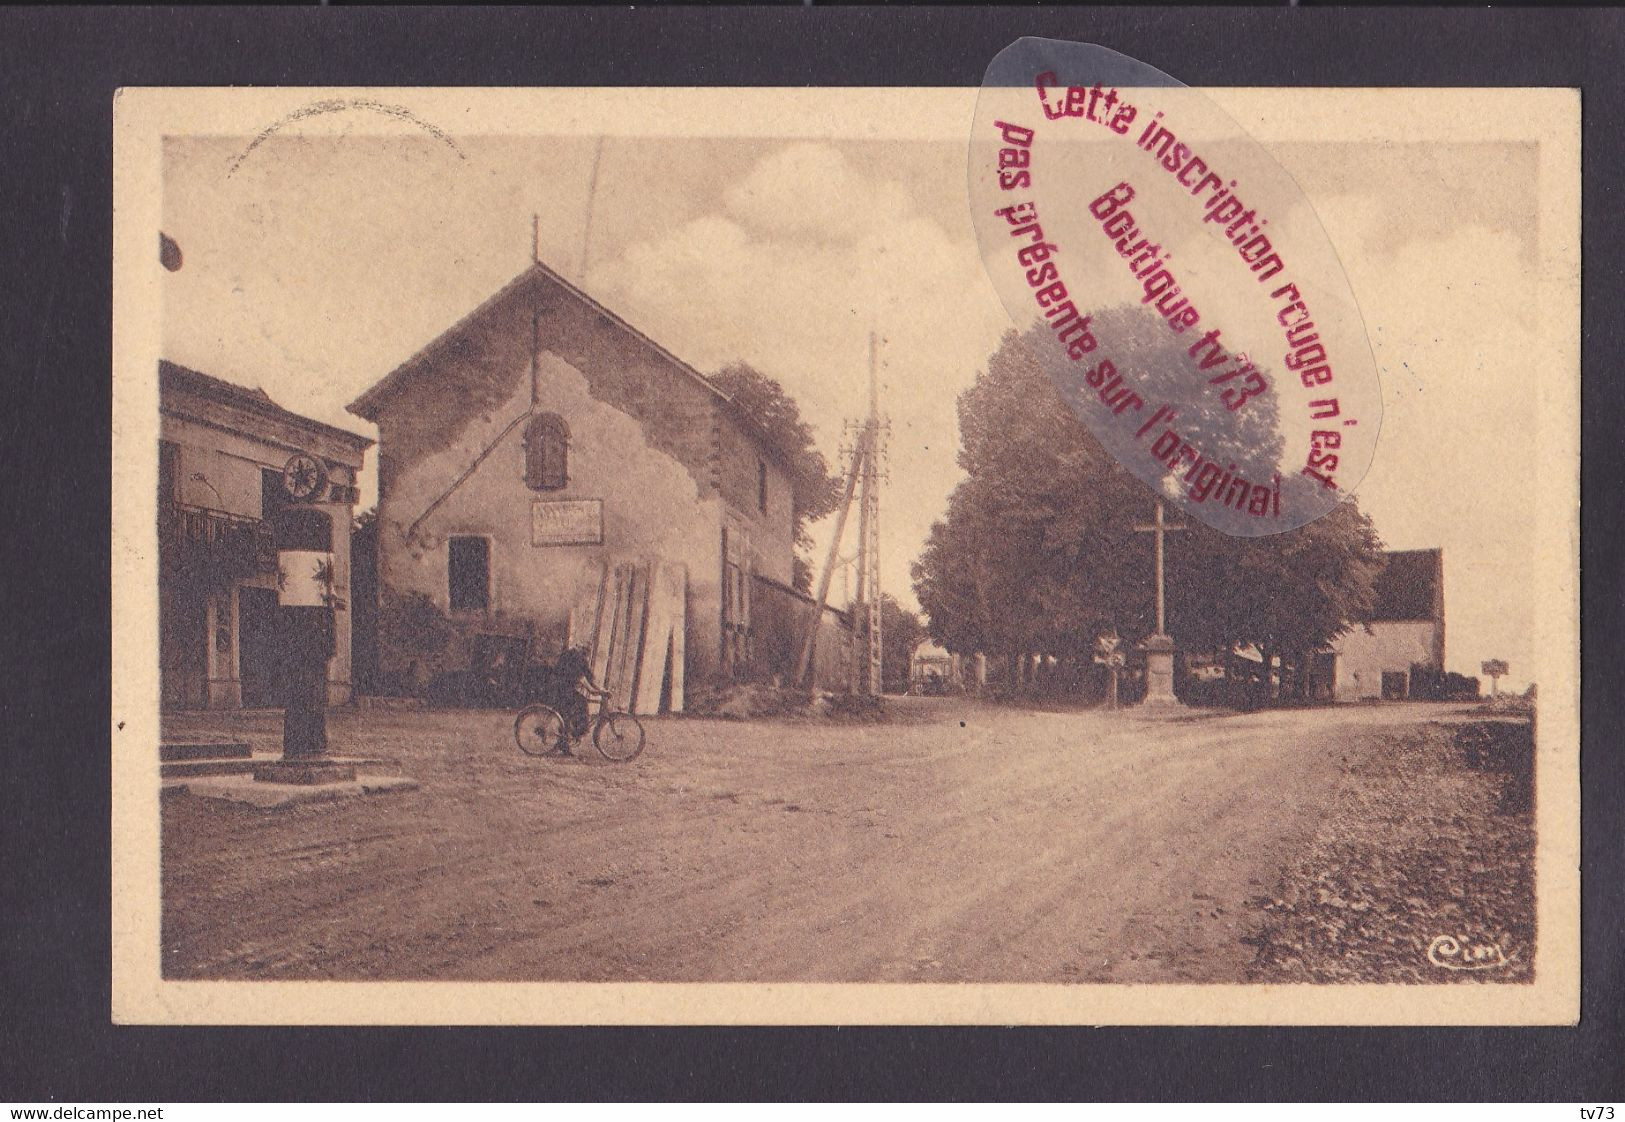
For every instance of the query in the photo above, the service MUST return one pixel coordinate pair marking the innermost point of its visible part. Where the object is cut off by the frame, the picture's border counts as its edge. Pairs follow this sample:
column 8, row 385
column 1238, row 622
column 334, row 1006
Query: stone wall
column 779, row 619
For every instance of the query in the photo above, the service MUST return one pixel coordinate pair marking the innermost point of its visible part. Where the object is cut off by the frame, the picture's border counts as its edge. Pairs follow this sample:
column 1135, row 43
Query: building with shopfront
column 223, row 450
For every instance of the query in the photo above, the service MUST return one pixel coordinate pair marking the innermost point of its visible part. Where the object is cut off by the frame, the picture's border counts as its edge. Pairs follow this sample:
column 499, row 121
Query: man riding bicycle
column 556, row 716
column 573, row 684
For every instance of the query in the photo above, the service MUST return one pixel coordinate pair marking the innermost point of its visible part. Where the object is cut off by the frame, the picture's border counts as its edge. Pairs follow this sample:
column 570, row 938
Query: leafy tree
column 763, row 407
column 969, row 578
column 1037, row 552
column 1027, row 558
column 1289, row 594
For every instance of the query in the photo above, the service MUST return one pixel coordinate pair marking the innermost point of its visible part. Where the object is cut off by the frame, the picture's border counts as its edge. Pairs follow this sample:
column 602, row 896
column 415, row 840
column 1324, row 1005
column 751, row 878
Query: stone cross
column 1159, row 528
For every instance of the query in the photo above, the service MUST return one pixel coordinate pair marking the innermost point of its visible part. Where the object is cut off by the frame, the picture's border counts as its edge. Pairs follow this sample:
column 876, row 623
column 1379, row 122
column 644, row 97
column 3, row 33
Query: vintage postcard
column 1079, row 550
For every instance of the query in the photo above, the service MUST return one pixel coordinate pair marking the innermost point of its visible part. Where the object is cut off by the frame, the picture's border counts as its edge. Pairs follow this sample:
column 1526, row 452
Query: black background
column 58, row 71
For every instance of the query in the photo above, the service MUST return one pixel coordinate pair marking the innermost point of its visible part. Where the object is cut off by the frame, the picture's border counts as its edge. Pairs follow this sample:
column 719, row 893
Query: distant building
column 1406, row 630
column 547, row 474
column 955, row 672
column 929, row 659
column 221, row 453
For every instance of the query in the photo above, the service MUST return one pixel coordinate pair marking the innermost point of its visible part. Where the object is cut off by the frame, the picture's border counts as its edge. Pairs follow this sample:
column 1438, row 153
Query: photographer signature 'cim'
column 1457, row 952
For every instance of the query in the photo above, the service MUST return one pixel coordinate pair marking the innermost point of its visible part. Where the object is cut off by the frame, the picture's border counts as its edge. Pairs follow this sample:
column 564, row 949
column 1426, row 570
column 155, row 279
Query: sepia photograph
column 722, row 556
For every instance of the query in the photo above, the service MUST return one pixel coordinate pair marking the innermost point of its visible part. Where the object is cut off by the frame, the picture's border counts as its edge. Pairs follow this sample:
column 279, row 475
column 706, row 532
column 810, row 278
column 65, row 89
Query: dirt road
column 957, row 842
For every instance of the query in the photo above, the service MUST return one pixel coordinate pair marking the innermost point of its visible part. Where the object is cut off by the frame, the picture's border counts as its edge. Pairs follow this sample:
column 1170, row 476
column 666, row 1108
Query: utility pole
column 863, row 482
column 870, row 679
column 867, row 483
column 876, row 448
column 845, row 565
column 804, row 664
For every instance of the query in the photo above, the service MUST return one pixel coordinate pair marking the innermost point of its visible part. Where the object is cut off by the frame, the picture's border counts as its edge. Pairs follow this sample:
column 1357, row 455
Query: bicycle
column 541, row 730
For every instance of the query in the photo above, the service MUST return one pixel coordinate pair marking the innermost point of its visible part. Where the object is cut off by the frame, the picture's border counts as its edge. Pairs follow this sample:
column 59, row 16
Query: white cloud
column 811, row 190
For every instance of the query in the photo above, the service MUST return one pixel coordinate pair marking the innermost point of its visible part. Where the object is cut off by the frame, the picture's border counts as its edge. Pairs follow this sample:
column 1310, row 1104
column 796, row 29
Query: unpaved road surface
column 957, row 842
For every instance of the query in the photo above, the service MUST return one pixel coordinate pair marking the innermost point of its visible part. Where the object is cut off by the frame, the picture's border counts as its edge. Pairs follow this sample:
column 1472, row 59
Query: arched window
column 547, row 453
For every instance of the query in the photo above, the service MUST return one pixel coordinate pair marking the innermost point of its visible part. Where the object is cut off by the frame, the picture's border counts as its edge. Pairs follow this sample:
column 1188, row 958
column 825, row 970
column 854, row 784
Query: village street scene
column 633, row 559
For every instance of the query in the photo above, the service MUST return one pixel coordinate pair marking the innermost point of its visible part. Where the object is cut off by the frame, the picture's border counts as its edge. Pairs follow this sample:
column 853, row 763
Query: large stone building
column 221, row 454
column 1406, row 630
column 547, row 474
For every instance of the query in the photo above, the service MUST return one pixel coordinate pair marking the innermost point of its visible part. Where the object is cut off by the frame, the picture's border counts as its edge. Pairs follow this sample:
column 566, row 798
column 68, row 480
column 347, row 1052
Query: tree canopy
column 1037, row 551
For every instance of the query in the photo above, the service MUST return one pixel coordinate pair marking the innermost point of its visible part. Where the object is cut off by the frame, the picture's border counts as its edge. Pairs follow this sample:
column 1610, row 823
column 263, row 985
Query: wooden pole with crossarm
column 804, row 663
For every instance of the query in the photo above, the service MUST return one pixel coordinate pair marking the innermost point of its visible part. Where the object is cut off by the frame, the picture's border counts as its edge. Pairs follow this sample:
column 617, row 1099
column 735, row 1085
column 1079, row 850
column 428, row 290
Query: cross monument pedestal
column 1159, row 671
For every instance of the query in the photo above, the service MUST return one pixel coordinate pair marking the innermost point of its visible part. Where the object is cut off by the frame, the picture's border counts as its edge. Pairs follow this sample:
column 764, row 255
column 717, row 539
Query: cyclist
column 574, row 684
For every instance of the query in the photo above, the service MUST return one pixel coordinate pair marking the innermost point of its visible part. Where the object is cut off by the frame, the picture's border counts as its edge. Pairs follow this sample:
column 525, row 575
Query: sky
column 316, row 263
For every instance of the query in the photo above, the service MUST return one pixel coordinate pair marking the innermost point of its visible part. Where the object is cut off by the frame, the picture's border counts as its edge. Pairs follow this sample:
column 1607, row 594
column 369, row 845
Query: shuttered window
column 547, row 453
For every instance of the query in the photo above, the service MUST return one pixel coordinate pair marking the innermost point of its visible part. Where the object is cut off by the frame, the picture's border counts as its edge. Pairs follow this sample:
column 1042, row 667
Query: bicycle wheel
column 537, row 730
column 618, row 737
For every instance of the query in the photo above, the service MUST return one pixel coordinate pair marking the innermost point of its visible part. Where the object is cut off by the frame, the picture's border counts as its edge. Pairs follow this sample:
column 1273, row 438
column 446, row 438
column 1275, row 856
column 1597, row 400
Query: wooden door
column 260, row 654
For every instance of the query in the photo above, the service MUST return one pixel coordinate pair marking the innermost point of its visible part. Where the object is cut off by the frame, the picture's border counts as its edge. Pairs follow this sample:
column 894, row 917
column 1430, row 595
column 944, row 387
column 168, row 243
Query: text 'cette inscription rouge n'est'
column 1176, row 285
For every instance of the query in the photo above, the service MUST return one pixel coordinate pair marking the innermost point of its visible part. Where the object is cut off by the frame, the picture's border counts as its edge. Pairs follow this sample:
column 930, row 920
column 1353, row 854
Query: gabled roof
column 1408, row 586
column 369, row 404
column 173, row 377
